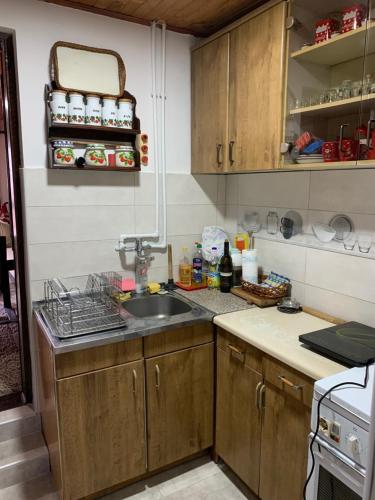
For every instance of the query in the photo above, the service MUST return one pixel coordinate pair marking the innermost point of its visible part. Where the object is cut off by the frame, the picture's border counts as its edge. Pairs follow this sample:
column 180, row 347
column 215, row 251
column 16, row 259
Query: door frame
column 14, row 161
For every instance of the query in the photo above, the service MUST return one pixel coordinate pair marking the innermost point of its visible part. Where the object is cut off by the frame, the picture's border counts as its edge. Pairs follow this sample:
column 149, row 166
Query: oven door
column 335, row 476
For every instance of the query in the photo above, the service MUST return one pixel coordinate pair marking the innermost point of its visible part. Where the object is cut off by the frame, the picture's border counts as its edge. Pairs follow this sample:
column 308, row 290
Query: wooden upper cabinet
column 256, row 91
column 102, row 429
column 179, row 404
column 210, row 66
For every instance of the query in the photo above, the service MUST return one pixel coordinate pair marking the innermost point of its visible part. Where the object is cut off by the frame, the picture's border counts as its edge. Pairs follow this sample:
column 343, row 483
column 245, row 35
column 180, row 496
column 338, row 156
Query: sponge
column 153, row 287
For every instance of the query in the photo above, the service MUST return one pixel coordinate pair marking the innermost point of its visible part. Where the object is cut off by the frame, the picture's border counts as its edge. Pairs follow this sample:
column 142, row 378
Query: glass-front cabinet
column 330, row 94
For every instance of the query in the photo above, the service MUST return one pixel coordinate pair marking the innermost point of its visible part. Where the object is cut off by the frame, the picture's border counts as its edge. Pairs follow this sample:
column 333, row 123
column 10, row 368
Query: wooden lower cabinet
column 102, row 428
column 238, row 419
column 285, row 431
column 179, row 404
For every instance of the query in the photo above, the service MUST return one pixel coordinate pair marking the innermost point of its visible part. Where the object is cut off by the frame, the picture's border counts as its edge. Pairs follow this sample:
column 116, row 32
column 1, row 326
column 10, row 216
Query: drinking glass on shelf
column 323, row 98
column 346, row 89
column 297, row 103
column 364, row 242
column 356, row 89
column 332, row 95
column 350, row 241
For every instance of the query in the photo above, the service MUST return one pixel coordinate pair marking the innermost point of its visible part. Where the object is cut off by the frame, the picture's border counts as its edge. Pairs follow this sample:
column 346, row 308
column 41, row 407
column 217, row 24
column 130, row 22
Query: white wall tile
column 190, row 219
column 221, row 216
column 43, row 187
column 231, row 192
column 221, row 188
column 345, row 274
column 144, row 188
column 289, row 260
column 59, row 224
column 231, row 218
column 275, row 189
column 192, row 190
column 343, row 191
column 339, row 305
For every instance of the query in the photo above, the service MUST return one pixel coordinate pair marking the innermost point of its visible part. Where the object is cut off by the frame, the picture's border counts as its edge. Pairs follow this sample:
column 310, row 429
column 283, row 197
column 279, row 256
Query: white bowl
column 323, row 232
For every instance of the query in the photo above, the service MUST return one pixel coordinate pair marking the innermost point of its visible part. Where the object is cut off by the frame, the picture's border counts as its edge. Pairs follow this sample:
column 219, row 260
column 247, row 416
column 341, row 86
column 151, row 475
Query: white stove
column 342, row 445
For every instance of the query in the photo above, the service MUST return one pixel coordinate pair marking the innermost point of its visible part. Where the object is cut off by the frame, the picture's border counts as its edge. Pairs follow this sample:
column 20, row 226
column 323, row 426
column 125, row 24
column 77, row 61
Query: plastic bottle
column 185, row 268
column 237, row 266
column 226, row 270
column 250, row 266
column 213, row 277
column 198, row 265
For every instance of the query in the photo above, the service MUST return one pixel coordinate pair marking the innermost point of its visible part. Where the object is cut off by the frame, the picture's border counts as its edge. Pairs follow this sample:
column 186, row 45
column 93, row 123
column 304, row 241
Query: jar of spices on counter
column 125, row 113
column 76, row 109
column 95, row 155
column 59, row 107
column 125, row 155
column 93, row 114
column 109, row 111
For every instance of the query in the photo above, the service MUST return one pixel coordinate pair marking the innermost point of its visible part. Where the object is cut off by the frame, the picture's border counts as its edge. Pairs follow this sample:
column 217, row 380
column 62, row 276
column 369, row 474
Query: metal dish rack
column 73, row 311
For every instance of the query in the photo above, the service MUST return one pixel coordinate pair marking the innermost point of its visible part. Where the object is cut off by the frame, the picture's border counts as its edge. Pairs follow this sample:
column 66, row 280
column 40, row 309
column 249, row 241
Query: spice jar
column 109, row 111
column 59, row 107
column 63, row 153
column 272, row 222
column 125, row 113
column 95, row 155
column 125, row 155
column 76, row 108
column 93, row 115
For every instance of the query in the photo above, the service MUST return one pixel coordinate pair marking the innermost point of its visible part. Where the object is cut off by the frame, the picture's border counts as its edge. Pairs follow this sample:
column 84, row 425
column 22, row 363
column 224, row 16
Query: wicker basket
column 271, row 292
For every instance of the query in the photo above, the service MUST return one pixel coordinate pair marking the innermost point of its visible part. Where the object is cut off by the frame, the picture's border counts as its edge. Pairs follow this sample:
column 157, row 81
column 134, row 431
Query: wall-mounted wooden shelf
column 90, row 133
column 98, row 169
column 344, row 47
column 336, row 108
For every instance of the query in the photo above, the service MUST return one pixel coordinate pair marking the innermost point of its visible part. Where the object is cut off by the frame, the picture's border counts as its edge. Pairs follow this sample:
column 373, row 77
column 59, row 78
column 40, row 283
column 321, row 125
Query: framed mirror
column 87, row 69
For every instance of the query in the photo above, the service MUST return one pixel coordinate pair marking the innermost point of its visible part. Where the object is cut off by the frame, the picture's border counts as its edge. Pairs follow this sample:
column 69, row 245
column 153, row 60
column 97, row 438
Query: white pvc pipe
column 162, row 160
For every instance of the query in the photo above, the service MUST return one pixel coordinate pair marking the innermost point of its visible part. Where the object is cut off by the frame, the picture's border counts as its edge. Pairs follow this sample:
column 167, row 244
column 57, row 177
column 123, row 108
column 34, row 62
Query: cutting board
column 254, row 299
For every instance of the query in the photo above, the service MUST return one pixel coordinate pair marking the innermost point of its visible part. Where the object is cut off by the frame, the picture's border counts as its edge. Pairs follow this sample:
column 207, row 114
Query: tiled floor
column 200, row 479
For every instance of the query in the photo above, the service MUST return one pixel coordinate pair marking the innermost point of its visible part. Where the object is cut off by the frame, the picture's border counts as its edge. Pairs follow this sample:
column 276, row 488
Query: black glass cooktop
column 352, row 343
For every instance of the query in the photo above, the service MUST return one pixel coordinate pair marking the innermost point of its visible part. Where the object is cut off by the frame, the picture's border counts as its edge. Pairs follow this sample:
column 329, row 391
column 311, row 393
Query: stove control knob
column 353, row 444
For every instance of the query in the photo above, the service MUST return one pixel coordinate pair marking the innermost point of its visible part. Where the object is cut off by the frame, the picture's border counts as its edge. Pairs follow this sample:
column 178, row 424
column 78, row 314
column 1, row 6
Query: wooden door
column 102, row 428
column 238, row 419
column 285, row 431
column 256, row 77
column 179, row 404
column 209, row 118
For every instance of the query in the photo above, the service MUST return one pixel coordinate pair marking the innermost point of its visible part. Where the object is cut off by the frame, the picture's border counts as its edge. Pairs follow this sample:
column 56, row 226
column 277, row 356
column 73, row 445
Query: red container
column 352, row 17
column 324, row 29
column 330, row 151
column 348, row 151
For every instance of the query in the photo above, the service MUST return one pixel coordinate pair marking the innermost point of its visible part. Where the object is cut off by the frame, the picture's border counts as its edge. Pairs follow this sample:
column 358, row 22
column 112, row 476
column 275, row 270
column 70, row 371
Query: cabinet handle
column 219, row 148
column 257, row 401
column 237, row 353
column 369, row 132
column 231, row 158
column 287, row 382
column 134, row 381
column 342, row 127
column 157, row 373
column 262, row 397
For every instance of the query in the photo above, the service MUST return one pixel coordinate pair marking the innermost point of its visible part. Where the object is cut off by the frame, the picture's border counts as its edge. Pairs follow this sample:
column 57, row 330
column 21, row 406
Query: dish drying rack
column 72, row 311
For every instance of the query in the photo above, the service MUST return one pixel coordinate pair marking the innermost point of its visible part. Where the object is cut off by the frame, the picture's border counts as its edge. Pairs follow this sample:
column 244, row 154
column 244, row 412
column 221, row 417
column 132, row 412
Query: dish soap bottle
column 185, row 268
column 226, row 270
column 198, row 265
column 213, row 277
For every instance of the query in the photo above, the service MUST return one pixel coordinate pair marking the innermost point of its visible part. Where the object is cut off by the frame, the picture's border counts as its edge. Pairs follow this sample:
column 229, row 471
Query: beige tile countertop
column 277, row 334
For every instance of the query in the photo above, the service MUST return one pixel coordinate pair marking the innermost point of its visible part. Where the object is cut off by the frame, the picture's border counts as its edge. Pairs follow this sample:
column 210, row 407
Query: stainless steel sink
column 156, row 306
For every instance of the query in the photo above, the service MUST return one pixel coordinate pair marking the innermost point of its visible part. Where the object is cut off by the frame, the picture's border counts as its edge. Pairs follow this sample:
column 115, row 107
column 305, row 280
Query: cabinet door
column 179, row 404
column 238, row 419
column 255, row 91
column 210, row 106
column 285, row 431
column 102, row 428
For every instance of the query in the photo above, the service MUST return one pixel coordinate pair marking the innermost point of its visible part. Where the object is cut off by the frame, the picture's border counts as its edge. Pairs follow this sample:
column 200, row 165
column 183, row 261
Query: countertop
column 135, row 328
column 215, row 301
column 277, row 334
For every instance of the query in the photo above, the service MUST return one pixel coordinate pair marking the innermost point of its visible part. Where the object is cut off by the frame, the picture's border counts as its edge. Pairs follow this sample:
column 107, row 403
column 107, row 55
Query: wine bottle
column 226, row 270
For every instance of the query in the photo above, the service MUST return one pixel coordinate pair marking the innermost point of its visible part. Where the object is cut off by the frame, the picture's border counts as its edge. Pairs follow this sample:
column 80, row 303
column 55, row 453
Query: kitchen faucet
column 142, row 261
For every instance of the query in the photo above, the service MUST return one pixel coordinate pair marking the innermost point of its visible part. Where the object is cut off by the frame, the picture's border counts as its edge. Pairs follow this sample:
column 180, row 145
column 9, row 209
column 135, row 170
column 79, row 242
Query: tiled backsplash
column 341, row 284
column 73, row 219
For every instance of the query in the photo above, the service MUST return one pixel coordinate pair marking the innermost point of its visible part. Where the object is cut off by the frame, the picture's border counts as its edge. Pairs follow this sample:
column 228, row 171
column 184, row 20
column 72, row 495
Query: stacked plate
column 314, row 158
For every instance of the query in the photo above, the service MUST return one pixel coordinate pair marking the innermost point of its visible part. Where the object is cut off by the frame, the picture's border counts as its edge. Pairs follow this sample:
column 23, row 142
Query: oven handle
column 337, row 453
